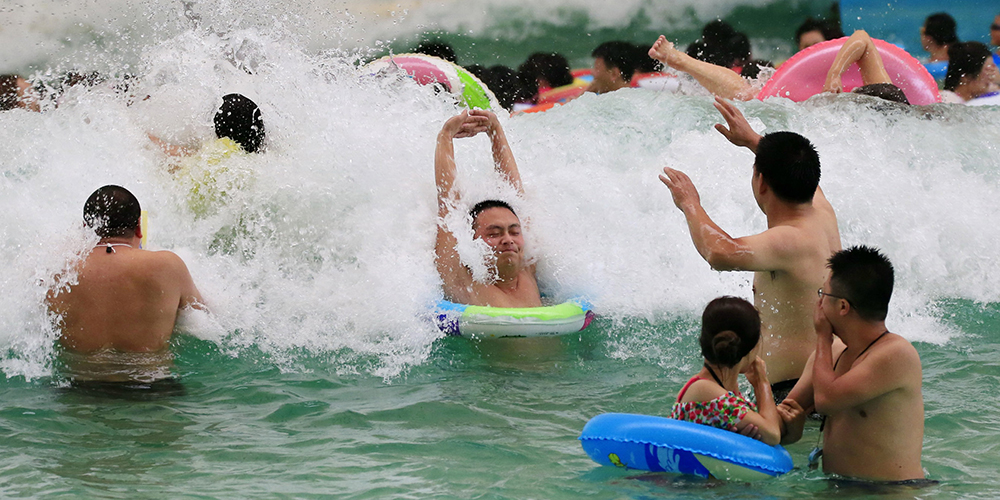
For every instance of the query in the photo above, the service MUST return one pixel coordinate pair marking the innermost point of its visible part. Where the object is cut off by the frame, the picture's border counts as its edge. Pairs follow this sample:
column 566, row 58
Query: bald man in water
column 126, row 299
column 789, row 258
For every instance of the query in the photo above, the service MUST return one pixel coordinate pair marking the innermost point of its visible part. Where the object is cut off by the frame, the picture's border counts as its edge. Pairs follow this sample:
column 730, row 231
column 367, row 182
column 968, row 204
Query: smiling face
column 501, row 230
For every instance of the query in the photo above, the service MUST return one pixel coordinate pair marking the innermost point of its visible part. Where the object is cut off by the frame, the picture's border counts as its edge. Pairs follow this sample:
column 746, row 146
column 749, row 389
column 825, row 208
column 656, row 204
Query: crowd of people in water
column 813, row 340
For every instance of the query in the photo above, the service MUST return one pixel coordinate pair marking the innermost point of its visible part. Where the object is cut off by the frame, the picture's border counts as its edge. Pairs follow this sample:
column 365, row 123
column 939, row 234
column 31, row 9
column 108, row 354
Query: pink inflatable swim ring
column 803, row 76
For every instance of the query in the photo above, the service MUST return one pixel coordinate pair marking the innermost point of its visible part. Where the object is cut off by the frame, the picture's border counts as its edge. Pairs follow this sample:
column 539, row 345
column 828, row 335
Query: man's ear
column 844, row 307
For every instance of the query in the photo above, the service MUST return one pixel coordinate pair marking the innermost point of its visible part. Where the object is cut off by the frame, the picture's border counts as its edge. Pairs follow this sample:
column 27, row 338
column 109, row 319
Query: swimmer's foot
column 665, row 52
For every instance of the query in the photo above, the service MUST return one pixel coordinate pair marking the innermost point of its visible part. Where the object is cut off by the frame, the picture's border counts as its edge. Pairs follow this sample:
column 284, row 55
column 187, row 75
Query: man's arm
column 773, row 250
column 190, row 297
column 881, row 371
column 720, row 81
column 503, row 158
column 859, row 48
column 448, row 263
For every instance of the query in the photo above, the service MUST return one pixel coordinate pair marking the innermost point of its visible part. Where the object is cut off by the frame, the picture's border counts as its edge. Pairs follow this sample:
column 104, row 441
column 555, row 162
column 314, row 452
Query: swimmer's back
column 126, row 300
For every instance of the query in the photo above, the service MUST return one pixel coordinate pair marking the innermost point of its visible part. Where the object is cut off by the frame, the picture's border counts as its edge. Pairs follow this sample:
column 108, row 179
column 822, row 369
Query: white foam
column 329, row 251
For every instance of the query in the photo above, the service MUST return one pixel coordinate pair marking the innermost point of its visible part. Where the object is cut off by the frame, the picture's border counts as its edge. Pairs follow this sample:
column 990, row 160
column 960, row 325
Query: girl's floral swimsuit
column 723, row 412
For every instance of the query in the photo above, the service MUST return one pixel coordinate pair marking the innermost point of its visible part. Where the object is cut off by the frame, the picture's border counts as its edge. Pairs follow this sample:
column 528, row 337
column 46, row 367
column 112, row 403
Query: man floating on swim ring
column 511, row 280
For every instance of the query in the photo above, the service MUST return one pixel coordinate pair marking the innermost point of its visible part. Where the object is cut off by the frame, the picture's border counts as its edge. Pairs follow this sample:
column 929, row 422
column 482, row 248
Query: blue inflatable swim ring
column 659, row 444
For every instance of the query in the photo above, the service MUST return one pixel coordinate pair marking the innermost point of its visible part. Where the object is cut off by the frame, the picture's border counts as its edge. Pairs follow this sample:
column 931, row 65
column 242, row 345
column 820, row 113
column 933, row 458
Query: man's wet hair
column 886, row 91
column 506, row 86
column 720, row 44
column 618, row 54
column 789, row 165
column 436, row 48
column 940, row 27
column 965, row 59
column 552, row 67
column 864, row 277
column 484, row 205
column 8, row 92
column 644, row 63
column 112, row 212
column 239, row 119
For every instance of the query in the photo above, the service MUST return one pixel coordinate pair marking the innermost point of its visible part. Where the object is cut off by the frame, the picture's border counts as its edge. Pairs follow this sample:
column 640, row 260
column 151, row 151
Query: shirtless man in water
column 126, row 299
column 869, row 387
column 789, row 258
column 513, row 281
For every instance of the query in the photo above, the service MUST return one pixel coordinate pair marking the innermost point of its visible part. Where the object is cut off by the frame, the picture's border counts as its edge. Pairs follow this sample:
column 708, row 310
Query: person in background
column 16, row 92
column 614, row 65
column 730, row 341
column 937, row 34
column 548, row 77
column 813, row 31
column 436, row 48
column 506, row 85
column 995, row 38
column 971, row 73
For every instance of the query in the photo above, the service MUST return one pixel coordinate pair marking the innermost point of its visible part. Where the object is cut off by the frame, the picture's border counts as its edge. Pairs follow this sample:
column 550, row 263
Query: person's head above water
column 239, row 119
column 789, row 165
column 863, row 277
column 730, row 329
column 966, row 64
column 939, row 29
column 112, row 212
column 496, row 223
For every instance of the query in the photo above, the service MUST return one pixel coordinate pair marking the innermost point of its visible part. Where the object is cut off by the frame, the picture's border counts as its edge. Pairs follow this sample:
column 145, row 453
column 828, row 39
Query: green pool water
column 484, row 419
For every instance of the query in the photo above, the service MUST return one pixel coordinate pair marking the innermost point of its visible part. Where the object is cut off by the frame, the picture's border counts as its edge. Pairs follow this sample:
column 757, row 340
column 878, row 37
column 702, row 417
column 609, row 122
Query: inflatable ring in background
column 461, row 320
column 430, row 70
column 659, row 444
column 803, row 76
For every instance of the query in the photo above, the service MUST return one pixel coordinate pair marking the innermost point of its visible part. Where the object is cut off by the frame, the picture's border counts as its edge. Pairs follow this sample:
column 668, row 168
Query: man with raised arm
column 512, row 281
column 870, row 390
column 789, row 258
column 125, row 300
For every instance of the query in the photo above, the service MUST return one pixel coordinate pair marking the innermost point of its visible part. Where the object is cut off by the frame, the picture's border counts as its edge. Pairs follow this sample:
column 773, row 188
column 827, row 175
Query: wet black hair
column 552, row 67
column 8, row 92
column 239, row 119
column 484, row 205
column 506, row 85
column 112, row 211
column 790, row 166
column 965, row 59
column 810, row 24
column 720, row 44
column 864, row 277
column 940, row 27
column 618, row 54
column 436, row 48
column 730, row 329
column 886, row 91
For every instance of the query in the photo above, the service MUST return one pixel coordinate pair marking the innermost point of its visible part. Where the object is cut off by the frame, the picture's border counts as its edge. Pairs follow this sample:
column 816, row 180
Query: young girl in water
column 730, row 334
